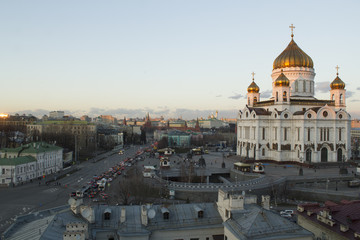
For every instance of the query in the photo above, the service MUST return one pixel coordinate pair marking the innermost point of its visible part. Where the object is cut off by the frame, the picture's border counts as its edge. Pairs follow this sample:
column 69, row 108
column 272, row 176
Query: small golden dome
column 337, row 83
column 253, row 88
column 282, row 80
column 293, row 56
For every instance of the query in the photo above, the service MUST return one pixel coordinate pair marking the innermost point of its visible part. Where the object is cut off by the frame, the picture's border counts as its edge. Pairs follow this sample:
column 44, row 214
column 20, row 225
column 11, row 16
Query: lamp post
column 343, row 169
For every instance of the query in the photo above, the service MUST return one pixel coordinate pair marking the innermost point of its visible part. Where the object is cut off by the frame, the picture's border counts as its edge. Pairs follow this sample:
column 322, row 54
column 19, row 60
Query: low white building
column 17, row 170
column 49, row 158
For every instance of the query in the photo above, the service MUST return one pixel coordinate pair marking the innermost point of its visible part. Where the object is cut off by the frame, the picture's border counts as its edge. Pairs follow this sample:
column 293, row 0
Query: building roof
column 254, row 222
column 346, row 213
column 35, row 147
column 259, row 111
column 16, row 161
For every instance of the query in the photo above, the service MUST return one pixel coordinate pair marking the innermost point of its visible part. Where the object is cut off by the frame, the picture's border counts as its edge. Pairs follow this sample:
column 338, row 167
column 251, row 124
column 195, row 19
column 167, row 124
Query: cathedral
column 293, row 125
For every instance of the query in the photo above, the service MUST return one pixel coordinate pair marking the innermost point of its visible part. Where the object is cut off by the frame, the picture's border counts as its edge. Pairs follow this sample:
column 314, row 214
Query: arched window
column 277, row 96
column 333, row 97
column 255, row 99
column 284, row 96
column 341, row 99
column 263, row 151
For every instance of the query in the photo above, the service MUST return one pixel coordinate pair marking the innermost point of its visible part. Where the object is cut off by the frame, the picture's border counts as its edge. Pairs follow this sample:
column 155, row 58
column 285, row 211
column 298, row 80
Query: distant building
column 16, row 122
column 106, row 119
column 232, row 217
column 84, row 133
column 56, row 115
column 355, row 142
column 48, row 159
column 332, row 220
column 85, row 118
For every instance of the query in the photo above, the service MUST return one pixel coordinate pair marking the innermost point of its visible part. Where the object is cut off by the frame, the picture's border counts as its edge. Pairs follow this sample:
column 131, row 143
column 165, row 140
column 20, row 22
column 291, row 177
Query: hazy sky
column 172, row 58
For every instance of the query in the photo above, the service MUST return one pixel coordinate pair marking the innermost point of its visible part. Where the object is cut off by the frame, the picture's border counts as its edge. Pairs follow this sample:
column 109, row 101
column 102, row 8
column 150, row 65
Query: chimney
column 265, row 202
column 144, row 218
column 123, row 215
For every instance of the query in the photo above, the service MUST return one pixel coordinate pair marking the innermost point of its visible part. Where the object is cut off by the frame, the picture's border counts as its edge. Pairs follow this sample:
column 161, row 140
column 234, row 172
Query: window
column 304, row 86
column 333, row 97
column 298, row 133
column 275, row 133
column 296, row 86
column 309, row 134
column 277, row 96
column 263, row 151
column 248, row 101
column 284, row 96
column 341, row 98
column 321, row 134
column 255, row 99
column 339, row 134
column 3, row 171
column 263, row 134
column 328, row 134
column 285, row 134
column 325, row 114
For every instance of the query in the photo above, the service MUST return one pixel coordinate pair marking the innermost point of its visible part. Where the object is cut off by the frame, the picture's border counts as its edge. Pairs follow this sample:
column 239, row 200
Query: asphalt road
column 33, row 197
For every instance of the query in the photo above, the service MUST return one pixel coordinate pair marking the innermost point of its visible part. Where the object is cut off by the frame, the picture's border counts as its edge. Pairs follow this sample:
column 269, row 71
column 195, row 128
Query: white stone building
column 49, row 158
column 17, row 170
column 293, row 125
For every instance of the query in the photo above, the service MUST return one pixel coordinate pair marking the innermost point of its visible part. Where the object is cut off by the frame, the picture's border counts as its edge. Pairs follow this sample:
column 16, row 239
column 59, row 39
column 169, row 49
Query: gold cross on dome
column 337, row 69
column 253, row 74
column 292, row 30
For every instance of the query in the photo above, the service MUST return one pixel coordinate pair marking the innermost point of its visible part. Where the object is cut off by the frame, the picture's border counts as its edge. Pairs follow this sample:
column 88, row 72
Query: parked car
column 291, row 212
column 285, row 215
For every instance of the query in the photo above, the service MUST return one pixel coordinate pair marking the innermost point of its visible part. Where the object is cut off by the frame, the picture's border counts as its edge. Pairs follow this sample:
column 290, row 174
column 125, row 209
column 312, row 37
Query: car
column 286, row 215
column 291, row 212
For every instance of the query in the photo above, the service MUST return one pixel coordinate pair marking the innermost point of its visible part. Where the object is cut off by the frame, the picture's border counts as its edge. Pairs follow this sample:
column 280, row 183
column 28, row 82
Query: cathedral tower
column 253, row 95
column 337, row 92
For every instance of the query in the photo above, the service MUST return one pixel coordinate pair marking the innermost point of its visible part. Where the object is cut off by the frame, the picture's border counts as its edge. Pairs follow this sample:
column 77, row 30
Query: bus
column 149, row 171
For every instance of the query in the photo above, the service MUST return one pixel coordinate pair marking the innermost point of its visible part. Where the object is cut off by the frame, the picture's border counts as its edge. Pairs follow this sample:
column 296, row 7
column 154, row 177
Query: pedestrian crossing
column 50, row 190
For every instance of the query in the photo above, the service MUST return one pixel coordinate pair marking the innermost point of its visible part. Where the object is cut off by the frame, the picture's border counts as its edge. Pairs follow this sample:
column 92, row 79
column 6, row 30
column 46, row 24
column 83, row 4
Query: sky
column 171, row 58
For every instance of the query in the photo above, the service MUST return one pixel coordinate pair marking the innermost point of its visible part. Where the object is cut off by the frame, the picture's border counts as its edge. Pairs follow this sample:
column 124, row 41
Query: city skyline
column 170, row 59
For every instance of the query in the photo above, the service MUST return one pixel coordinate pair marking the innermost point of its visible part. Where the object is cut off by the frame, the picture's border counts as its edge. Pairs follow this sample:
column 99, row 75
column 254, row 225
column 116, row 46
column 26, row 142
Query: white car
column 290, row 212
column 286, row 215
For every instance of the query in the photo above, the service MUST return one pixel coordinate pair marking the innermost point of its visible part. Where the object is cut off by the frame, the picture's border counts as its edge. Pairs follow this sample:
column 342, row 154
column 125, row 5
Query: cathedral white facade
column 293, row 125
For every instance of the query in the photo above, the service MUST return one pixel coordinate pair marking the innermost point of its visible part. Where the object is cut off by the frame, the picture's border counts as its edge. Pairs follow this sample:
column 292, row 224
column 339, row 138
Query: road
column 33, row 197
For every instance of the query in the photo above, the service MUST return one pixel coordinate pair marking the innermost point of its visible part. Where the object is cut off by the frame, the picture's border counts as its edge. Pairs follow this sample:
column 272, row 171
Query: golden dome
column 282, row 80
column 253, row 88
column 337, row 83
column 293, row 56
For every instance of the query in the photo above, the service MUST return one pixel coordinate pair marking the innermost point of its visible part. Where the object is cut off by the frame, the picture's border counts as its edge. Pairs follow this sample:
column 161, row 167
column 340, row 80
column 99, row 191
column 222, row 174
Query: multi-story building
column 293, row 125
column 48, row 159
column 17, row 170
column 81, row 134
column 331, row 220
column 233, row 217
column 56, row 115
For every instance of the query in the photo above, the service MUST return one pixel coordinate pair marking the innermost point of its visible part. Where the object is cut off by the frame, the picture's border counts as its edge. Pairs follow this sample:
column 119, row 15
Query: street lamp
column 343, row 169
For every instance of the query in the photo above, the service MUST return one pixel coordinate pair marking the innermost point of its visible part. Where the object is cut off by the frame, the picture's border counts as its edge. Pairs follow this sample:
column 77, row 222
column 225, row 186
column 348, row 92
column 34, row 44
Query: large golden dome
column 293, row 56
column 337, row 83
column 253, row 88
column 282, row 80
